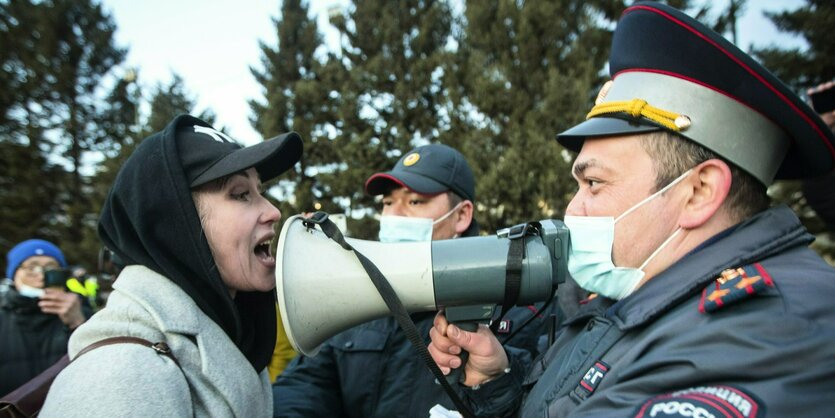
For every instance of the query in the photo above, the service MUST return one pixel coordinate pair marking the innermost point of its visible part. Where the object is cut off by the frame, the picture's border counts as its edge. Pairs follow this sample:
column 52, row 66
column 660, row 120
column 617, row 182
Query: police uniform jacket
column 743, row 326
column 372, row 370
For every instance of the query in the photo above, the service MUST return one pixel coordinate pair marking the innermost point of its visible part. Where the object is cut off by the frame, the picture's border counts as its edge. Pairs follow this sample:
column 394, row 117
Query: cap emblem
column 638, row 108
column 215, row 134
column 411, row 159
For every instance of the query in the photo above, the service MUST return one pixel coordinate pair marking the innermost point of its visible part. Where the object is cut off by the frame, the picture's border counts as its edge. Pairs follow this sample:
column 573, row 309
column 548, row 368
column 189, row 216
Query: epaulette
column 734, row 285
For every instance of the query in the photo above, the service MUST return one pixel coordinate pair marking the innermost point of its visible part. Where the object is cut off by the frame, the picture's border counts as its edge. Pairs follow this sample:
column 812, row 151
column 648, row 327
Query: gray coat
column 132, row 380
column 671, row 349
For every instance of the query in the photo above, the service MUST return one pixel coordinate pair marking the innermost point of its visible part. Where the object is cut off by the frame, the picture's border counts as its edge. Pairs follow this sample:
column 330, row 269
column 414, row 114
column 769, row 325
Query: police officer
column 372, row 370
column 708, row 302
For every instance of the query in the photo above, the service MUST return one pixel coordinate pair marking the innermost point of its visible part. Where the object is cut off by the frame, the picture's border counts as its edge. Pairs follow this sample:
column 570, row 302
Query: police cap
column 669, row 72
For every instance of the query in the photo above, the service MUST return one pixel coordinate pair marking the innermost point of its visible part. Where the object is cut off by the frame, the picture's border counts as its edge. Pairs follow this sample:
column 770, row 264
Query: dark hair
column 672, row 155
column 454, row 199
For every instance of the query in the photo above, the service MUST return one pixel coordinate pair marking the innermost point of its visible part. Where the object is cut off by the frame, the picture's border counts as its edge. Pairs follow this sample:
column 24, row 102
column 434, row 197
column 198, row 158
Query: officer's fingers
column 467, row 340
column 443, row 359
column 442, row 342
column 480, row 343
column 440, row 322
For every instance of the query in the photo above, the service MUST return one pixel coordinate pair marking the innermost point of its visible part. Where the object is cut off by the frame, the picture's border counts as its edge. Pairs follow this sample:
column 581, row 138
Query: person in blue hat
column 372, row 370
column 705, row 300
column 35, row 320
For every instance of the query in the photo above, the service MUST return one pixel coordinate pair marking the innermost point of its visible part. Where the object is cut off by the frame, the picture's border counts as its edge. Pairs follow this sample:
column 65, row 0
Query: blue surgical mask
column 590, row 253
column 409, row 229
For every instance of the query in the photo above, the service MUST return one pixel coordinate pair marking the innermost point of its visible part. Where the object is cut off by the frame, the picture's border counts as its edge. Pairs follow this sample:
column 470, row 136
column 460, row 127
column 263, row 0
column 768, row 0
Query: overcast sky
column 212, row 44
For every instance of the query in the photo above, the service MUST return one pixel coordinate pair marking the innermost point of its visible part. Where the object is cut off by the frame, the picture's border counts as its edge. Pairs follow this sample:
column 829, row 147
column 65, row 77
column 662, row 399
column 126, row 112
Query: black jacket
column 30, row 340
column 372, row 370
column 688, row 343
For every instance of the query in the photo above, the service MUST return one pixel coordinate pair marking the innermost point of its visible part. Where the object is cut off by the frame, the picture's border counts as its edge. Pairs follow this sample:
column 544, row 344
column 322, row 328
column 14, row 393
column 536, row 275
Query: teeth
column 265, row 245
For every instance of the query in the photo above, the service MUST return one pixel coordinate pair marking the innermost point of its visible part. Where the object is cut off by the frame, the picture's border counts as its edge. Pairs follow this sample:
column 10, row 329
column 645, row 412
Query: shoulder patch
column 704, row 401
column 734, row 285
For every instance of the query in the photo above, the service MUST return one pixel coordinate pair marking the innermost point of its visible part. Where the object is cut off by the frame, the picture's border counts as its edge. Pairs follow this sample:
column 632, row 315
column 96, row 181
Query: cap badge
column 411, row 159
column 638, row 108
column 214, row 133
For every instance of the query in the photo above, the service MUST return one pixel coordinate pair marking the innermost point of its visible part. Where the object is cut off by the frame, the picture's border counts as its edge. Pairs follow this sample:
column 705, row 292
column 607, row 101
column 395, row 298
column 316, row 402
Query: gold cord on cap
column 640, row 108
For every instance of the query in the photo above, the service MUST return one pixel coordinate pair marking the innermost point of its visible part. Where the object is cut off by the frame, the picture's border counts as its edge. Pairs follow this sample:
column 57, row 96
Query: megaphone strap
column 393, row 303
column 513, row 270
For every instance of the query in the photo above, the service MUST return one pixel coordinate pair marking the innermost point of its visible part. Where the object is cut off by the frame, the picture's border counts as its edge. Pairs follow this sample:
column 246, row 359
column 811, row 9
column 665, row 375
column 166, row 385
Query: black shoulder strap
column 394, row 304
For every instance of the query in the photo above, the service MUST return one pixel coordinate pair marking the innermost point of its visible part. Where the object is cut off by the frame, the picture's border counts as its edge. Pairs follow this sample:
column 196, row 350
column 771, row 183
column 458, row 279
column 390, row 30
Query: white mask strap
column 446, row 215
column 654, row 195
column 660, row 247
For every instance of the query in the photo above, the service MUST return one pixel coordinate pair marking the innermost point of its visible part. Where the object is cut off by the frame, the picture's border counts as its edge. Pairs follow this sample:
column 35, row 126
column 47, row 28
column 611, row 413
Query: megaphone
column 323, row 289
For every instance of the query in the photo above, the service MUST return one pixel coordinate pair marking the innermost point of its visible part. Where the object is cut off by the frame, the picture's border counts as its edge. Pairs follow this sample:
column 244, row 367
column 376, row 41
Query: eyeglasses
column 32, row 269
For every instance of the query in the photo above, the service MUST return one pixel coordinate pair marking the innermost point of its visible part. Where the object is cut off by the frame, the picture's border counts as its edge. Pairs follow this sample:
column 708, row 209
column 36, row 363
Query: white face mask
column 408, row 229
column 29, row 291
column 590, row 254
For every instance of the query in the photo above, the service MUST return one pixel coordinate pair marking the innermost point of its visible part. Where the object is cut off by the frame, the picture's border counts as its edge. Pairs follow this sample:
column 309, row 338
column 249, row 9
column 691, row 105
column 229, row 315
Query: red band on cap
column 385, row 176
column 399, row 182
column 741, row 64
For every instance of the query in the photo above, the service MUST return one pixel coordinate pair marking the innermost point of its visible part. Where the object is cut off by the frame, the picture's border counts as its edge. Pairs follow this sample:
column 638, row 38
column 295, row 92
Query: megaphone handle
column 457, row 375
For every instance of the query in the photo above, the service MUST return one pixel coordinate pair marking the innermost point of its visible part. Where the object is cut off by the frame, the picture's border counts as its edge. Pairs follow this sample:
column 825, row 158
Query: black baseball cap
column 670, row 72
column 430, row 169
column 208, row 154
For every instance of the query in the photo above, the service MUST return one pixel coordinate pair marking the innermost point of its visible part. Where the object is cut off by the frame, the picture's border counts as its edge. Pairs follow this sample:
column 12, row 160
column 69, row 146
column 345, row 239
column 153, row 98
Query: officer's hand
column 66, row 305
column 487, row 357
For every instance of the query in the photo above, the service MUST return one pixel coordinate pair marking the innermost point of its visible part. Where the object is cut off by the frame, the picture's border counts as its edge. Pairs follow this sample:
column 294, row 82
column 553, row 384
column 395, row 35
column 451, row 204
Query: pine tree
column 126, row 128
column 523, row 72
column 75, row 40
column 298, row 91
column 802, row 68
column 118, row 126
column 811, row 65
column 57, row 55
column 391, row 98
column 28, row 189
column 169, row 100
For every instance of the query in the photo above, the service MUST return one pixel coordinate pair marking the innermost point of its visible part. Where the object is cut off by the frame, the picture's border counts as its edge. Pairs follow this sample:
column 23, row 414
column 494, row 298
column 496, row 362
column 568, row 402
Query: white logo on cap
column 212, row 132
column 39, row 251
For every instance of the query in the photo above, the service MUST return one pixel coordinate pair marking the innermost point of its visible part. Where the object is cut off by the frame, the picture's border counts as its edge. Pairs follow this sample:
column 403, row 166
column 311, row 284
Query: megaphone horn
column 323, row 289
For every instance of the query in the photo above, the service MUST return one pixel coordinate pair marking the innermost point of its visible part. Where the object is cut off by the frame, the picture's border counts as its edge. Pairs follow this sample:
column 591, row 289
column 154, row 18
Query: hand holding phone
column 823, row 97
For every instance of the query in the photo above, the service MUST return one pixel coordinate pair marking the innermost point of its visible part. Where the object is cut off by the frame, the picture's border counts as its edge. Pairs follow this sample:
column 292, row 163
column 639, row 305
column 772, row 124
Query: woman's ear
column 463, row 217
column 710, row 183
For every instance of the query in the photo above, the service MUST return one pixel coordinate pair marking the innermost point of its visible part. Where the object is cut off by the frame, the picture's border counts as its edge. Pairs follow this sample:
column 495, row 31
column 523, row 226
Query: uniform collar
column 767, row 233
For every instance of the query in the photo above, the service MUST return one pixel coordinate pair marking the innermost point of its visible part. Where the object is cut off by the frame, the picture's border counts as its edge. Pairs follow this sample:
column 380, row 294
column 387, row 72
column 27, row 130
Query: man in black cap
column 372, row 370
column 708, row 302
